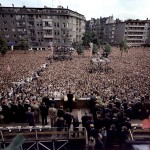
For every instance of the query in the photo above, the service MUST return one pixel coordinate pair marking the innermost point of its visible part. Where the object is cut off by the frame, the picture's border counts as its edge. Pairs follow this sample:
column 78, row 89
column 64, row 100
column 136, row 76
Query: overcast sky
column 122, row 9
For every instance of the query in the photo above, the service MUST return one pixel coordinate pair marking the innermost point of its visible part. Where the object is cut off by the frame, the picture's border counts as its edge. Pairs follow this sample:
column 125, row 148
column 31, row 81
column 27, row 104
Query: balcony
column 48, row 36
column 135, row 35
column 48, row 27
column 66, row 29
column 134, row 39
column 31, row 19
column 22, row 32
column 139, row 26
column 20, row 25
column 32, row 35
column 31, row 27
column 21, row 20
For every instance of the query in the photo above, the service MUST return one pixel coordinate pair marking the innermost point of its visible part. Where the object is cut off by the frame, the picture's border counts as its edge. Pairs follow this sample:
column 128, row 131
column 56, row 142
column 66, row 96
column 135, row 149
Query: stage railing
column 40, row 136
column 137, row 133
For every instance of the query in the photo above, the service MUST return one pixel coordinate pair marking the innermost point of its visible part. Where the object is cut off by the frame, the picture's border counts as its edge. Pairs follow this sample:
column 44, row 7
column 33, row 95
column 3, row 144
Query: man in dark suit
column 44, row 113
column 30, row 117
column 92, row 102
column 68, row 119
column 70, row 101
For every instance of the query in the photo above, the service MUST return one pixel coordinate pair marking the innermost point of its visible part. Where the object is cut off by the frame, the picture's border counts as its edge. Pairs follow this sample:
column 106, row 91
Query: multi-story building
column 41, row 26
column 110, row 34
column 136, row 32
column 99, row 25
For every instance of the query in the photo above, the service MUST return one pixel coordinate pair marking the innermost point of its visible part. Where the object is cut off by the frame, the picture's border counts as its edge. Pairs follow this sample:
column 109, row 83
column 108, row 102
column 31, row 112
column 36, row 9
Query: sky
column 122, row 9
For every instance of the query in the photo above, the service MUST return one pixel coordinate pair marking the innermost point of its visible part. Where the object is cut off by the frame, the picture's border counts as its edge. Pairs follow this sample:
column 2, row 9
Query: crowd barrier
column 137, row 133
column 42, row 137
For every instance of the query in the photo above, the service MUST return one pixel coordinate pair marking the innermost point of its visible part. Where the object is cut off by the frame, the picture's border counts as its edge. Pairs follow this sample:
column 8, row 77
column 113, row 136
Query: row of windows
column 58, row 41
column 6, row 16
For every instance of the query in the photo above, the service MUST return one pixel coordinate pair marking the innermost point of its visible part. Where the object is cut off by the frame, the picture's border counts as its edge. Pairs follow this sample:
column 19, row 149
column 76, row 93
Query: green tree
column 106, row 50
column 24, row 44
column 90, row 36
column 123, row 47
column 79, row 48
column 95, row 49
column 3, row 46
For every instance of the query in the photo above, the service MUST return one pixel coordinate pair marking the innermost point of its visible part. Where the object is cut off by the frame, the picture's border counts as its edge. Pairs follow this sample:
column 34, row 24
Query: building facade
column 136, row 32
column 41, row 27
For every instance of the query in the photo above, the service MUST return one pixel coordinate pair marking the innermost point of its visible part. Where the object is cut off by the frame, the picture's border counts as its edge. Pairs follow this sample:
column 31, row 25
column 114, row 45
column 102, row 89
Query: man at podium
column 70, row 101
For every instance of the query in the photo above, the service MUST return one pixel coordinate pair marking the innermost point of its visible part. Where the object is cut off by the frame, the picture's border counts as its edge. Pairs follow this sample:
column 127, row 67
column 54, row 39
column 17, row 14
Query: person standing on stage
column 70, row 101
column 30, row 117
column 53, row 114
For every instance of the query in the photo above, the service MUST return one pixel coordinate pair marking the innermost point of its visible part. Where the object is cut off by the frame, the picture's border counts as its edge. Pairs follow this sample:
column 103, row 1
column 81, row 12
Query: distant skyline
column 122, row 9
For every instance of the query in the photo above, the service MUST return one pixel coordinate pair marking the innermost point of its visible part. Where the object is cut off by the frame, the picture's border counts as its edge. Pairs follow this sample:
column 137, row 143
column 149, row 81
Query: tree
column 123, row 47
column 90, row 36
column 95, row 49
column 3, row 46
column 24, row 44
column 79, row 48
column 107, row 50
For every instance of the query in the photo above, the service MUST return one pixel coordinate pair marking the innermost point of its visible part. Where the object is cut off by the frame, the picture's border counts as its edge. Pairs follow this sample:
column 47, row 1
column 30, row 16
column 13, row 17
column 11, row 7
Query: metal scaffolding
column 62, row 53
column 41, row 137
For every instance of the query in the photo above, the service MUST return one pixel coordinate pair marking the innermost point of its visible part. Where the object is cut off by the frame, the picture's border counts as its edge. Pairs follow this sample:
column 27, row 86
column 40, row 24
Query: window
column 6, row 36
column 64, row 25
column 54, row 24
column 49, row 32
column 12, row 23
column 5, row 22
column 46, row 24
column 14, row 35
column 57, row 24
column 5, row 29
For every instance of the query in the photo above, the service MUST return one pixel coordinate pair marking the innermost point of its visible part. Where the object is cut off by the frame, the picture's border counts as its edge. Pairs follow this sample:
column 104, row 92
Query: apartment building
column 99, row 25
column 136, row 32
column 41, row 27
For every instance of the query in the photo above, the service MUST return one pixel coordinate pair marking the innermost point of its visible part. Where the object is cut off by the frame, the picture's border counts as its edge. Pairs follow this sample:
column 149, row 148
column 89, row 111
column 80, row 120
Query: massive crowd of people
column 129, row 75
column 115, row 96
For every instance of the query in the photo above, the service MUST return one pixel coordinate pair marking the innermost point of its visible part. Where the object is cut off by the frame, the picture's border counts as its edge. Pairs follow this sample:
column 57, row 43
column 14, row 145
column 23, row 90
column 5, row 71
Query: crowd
column 129, row 75
column 115, row 96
